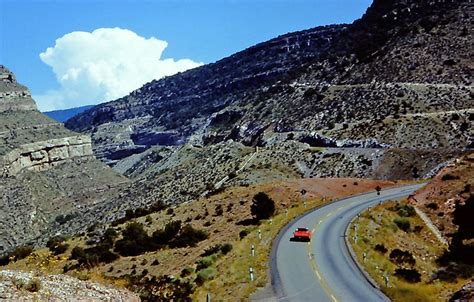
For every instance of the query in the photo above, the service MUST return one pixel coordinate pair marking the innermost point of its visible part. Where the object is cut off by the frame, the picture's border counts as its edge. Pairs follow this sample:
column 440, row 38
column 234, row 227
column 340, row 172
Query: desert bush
column 211, row 250
column 402, row 223
column 56, row 245
column 243, row 234
column 226, row 248
column 186, row 271
column 205, row 262
column 21, row 252
column 263, row 206
column 409, row 275
column 189, row 236
column 92, row 256
column 205, row 275
column 135, row 240
column 163, row 288
column 140, row 212
column 380, row 248
column 402, row 257
column 403, row 210
column 432, row 206
column 219, row 211
column 34, row 285
column 449, row 176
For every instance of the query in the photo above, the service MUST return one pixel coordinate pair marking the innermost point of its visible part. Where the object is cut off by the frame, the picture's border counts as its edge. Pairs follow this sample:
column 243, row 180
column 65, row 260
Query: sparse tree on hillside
column 263, row 207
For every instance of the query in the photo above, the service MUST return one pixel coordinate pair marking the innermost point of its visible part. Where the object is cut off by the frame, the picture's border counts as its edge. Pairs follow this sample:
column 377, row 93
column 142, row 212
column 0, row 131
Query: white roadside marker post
column 364, row 256
column 208, row 297
column 251, row 274
column 253, row 251
column 259, row 234
column 387, row 284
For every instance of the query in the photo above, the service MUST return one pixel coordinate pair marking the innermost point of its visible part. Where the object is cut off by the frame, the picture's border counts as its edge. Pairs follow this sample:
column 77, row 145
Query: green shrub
column 135, row 240
column 243, row 234
column 21, row 252
column 402, row 223
column 409, row 275
column 448, row 176
column 263, row 207
column 380, row 248
column 402, row 257
column 187, row 271
column 189, row 236
column 205, row 275
column 56, row 245
column 211, row 250
column 205, row 262
column 226, row 248
column 34, row 285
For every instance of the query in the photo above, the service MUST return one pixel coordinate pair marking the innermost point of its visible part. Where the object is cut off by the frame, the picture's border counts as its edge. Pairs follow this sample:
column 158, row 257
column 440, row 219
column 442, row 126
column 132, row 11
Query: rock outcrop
column 40, row 156
column 46, row 171
column 400, row 77
column 28, row 286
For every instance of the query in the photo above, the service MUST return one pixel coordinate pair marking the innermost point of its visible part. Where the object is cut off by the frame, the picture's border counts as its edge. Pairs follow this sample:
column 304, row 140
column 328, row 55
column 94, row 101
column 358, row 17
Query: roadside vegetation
column 402, row 255
column 191, row 250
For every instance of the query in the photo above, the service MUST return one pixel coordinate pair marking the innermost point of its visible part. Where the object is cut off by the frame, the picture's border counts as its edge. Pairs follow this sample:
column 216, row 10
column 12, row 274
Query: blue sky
column 196, row 32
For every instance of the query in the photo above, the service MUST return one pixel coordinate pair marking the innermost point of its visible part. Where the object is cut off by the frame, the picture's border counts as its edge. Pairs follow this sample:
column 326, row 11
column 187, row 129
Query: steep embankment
column 47, row 172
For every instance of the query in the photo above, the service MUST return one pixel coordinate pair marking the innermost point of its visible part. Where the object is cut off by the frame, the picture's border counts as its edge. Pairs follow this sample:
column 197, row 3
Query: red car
column 301, row 234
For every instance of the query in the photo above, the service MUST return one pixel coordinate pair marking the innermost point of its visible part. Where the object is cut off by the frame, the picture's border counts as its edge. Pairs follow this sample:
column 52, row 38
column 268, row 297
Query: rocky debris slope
column 465, row 294
column 26, row 286
column 450, row 192
column 48, row 173
column 401, row 75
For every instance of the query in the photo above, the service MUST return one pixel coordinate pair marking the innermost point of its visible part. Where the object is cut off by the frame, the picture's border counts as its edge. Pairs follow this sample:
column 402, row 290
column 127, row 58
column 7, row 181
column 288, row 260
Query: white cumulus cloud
column 103, row 65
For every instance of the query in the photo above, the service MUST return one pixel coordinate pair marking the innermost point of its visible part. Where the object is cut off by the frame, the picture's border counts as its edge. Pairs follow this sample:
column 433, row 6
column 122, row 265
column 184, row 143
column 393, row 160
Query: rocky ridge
column 46, row 171
column 401, row 75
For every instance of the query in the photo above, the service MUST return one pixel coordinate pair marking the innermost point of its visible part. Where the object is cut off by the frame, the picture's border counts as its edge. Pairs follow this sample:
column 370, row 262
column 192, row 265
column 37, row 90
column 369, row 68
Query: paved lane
column 323, row 270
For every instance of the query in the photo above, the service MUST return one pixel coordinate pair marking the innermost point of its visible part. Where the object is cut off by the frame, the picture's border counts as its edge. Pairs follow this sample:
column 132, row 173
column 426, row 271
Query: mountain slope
column 47, row 172
column 400, row 75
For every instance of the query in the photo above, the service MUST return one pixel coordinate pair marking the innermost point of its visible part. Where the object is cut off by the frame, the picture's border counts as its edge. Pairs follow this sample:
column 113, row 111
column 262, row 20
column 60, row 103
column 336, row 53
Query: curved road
column 323, row 269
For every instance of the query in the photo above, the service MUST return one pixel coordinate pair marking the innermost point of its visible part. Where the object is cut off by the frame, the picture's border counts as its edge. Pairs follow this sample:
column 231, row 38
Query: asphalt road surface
column 323, row 269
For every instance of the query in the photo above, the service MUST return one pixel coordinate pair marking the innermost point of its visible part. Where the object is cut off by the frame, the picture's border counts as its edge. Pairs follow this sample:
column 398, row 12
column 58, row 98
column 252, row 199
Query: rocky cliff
column 400, row 76
column 46, row 171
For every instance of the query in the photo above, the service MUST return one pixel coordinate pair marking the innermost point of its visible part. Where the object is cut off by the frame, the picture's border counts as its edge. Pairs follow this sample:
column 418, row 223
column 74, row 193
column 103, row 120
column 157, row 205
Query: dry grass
column 376, row 226
column 232, row 279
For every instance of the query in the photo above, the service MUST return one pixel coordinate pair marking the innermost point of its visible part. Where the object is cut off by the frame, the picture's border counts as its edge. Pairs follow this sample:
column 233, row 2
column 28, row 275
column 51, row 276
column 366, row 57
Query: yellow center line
column 315, row 269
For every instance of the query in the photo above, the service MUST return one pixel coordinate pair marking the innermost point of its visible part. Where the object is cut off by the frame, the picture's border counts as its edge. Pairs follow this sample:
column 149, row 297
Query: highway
column 323, row 270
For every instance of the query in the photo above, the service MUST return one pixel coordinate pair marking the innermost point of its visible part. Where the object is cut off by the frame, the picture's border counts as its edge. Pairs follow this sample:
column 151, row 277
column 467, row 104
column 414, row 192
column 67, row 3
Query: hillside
column 423, row 244
column 400, row 77
column 47, row 172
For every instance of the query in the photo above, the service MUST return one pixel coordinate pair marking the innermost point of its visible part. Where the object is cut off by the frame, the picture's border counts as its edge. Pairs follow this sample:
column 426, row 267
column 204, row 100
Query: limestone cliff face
column 40, row 156
column 48, row 174
column 36, row 143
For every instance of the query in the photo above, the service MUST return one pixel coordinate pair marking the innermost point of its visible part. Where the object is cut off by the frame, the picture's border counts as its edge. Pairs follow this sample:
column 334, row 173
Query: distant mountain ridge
column 365, row 81
column 65, row 114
